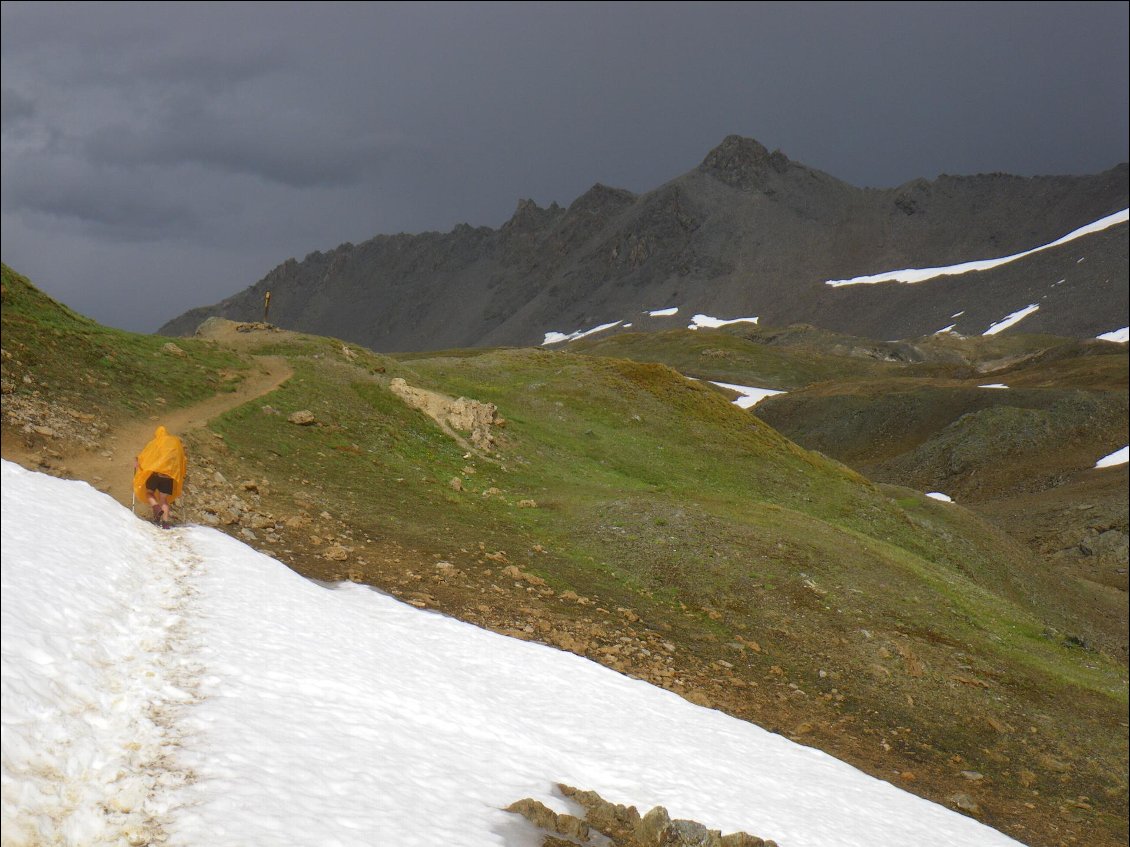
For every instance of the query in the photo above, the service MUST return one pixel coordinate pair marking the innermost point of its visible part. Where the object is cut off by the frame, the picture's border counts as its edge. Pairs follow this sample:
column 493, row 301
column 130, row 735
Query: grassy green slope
column 955, row 436
column 913, row 413
column 50, row 349
column 737, row 357
column 677, row 492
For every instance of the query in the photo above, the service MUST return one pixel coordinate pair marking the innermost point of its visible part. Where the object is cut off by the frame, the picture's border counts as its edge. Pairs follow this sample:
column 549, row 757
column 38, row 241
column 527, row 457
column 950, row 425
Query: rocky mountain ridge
column 748, row 232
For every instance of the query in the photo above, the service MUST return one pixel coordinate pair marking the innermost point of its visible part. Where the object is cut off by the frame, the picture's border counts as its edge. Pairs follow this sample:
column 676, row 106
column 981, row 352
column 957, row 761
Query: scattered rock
column 302, row 418
column 38, row 417
column 336, row 553
column 226, row 516
column 1051, row 763
column 513, row 572
column 261, row 521
column 965, row 803
column 998, row 726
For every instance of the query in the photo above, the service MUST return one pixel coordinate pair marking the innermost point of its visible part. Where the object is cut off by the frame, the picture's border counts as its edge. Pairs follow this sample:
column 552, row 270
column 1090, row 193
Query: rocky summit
column 747, row 233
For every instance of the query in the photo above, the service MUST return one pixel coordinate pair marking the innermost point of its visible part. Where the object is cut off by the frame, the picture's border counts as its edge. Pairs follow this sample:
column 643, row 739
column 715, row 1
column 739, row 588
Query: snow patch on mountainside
column 915, row 275
column 1012, row 320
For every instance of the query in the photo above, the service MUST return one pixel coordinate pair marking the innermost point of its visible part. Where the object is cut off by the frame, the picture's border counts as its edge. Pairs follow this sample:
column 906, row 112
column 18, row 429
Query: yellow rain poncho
column 164, row 455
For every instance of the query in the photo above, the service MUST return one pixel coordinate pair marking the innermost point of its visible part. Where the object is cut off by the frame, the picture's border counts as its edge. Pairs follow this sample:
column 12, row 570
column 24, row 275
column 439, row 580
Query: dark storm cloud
column 14, row 108
column 219, row 139
column 74, row 198
column 271, row 148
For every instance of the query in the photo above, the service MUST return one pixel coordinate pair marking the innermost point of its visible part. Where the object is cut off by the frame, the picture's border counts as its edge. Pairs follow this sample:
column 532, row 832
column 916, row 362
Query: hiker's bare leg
column 154, row 506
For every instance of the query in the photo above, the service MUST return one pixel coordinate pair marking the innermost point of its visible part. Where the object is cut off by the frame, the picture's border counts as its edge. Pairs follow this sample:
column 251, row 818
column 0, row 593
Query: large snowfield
column 178, row 687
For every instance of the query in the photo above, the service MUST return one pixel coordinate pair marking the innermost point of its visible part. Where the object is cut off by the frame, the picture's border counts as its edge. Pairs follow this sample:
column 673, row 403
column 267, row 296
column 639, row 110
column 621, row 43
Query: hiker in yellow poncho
column 158, row 473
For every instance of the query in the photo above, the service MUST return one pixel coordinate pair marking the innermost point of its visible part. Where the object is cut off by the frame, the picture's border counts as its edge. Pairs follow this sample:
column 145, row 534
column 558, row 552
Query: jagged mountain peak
column 529, row 215
column 601, row 199
column 743, row 162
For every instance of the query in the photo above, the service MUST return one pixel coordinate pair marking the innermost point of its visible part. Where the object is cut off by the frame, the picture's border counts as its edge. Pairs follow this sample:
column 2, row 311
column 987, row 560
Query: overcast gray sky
column 160, row 156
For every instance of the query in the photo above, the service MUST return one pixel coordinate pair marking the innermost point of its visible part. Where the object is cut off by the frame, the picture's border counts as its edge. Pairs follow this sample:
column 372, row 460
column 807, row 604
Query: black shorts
column 159, row 482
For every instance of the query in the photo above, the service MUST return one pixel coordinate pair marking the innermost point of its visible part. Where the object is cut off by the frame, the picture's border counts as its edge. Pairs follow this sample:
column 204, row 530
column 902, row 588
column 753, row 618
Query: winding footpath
column 111, row 469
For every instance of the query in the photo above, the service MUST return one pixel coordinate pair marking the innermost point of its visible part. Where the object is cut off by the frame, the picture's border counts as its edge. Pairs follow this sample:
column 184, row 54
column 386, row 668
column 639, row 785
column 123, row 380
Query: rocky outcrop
column 622, row 826
column 454, row 415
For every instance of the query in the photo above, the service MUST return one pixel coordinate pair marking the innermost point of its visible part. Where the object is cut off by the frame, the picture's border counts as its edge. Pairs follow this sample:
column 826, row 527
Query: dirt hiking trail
column 111, row 468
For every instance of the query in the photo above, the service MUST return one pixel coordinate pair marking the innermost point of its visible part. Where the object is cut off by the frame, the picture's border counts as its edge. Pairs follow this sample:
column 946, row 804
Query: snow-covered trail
column 179, row 688
column 90, row 735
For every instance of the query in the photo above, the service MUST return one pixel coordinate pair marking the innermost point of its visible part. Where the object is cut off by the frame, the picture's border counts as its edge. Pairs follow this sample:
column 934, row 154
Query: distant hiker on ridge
column 158, row 474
